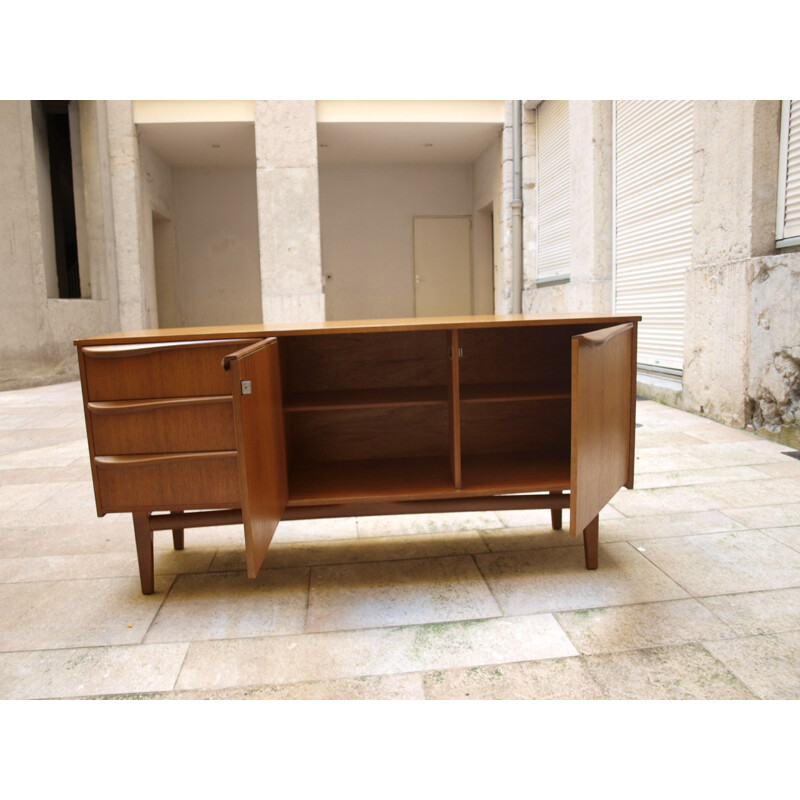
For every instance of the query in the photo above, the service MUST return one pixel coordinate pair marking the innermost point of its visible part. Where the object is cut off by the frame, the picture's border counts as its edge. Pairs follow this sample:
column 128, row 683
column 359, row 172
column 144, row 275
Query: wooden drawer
column 167, row 482
column 165, row 369
column 171, row 425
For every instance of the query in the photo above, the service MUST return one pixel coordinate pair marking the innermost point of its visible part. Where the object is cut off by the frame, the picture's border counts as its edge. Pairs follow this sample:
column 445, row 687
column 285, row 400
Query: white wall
column 366, row 213
column 216, row 227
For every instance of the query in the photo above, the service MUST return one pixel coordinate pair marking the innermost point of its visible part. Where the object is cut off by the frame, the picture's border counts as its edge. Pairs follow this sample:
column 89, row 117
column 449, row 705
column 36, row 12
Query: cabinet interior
column 390, row 414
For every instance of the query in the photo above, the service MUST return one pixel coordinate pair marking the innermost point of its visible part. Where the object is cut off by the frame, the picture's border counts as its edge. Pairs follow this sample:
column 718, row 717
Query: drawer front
column 162, row 426
column 168, row 482
column 174, row 369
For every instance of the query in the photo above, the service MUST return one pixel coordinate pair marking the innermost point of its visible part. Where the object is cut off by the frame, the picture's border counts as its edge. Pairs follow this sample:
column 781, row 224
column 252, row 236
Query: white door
column 442, row 266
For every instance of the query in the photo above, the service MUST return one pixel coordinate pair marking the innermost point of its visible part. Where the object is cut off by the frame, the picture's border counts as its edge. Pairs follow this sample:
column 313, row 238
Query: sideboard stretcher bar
column 254, row 424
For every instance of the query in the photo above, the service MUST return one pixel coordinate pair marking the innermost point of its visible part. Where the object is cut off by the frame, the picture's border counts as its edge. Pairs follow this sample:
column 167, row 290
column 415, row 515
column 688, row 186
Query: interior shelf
column 506, row 473
column 420, row 396
column 331, row 482
column 366, row 398
column 504, row 392
column 376, row 480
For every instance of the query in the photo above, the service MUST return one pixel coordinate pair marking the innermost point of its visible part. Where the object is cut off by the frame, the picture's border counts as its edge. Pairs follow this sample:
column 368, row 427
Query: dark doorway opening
column 62, row 189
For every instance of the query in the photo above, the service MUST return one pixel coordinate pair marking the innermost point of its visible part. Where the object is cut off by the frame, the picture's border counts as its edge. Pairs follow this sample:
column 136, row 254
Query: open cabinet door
column 260, row 443
column 603, row 425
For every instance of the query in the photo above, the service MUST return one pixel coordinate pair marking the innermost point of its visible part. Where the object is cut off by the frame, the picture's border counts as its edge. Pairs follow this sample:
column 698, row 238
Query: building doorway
column 167, row 300
column 443, row 266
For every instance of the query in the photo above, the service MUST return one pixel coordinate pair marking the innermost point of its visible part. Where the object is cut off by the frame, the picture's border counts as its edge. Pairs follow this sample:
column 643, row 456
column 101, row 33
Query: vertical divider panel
column 454, row 409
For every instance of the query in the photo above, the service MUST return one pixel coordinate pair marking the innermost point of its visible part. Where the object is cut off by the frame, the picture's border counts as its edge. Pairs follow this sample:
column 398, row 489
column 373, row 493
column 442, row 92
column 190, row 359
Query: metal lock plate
column 247, row 387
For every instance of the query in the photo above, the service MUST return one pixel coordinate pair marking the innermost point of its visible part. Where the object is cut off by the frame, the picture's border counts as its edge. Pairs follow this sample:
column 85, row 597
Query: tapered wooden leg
column 555, row 514
column 590, row 542
column 177, row 537
column 144, row 550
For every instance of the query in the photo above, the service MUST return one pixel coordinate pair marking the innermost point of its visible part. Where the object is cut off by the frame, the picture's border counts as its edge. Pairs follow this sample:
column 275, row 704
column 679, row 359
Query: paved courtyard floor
column 697, row 595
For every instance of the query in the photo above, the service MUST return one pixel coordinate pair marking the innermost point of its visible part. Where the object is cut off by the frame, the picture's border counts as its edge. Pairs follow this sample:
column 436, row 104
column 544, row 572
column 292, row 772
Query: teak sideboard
column 256, row 424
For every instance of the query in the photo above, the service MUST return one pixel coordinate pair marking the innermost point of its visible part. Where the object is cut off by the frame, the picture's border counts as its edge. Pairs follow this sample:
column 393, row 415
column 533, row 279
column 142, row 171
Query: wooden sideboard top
column 351, row 326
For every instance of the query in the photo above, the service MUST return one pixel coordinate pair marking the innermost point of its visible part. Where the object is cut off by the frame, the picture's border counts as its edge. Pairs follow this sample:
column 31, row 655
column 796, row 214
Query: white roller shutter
column 789, row 178
column 653, row 222
column 553, row 190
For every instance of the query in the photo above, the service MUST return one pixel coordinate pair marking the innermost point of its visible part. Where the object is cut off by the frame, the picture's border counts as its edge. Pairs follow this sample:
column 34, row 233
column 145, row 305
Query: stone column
column 23, row 287
column 102, row 263
column 137, row 303
column 773, row 390
column 590, row 137
column 288, row 211
column 530, row 179
column 735, row 164
column 503, row 300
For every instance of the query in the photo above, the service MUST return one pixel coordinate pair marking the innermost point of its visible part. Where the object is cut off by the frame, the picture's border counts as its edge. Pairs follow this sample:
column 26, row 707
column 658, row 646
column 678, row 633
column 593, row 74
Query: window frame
column 781, row 240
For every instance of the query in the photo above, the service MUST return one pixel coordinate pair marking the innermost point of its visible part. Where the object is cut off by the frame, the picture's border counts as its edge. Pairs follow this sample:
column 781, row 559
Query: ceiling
column 404, row 142
column 202, row 144
column 232, row 144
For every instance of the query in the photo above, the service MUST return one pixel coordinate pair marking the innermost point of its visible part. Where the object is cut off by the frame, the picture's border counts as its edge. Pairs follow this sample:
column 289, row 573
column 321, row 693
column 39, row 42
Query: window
column 553, row 191
column 653, row 144
column 788, row 228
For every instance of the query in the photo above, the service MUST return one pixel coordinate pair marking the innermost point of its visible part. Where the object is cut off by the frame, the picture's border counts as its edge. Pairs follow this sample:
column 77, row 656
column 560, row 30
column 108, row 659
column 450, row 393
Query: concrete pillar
column 503, row 301
column 530, row 179
column 590, row 137
column 735, row 182
column 22, row 281
column 100, row 247
column 288, row 211
column 773, row 388
column 736, row 166
column 135, row 276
